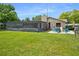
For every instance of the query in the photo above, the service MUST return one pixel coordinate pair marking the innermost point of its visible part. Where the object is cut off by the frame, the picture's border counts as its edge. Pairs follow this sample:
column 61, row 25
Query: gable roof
column 52, row 18
column 55, row 19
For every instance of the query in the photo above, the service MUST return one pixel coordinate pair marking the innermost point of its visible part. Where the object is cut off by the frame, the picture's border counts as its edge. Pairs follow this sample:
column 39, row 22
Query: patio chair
column 66, row 30
column 57, row 29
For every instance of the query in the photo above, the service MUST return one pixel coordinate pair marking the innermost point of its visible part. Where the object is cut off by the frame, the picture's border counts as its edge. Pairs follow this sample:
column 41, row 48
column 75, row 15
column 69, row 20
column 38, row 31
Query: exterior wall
column 53, row 23
column 42, row 26
column 44, row 18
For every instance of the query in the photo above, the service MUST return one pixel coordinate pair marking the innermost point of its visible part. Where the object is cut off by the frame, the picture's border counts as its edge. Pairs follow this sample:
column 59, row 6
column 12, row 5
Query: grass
column 14, row 43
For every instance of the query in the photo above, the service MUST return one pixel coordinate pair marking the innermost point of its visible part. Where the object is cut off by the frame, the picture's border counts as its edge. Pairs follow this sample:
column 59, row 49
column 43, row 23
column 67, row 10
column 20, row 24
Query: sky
column 51, row 9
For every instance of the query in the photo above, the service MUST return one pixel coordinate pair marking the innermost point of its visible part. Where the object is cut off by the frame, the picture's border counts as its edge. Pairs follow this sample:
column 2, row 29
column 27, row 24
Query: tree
column 36, row 18
column 7, row 13
column 65, row 15
column 71, row 16
column 27, row 19
column 33, row 18
column 74, row 16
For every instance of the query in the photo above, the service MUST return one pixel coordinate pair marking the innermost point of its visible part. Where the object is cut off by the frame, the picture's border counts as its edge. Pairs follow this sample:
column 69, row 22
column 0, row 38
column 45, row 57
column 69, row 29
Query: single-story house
column 56, row 23
column 46, row 23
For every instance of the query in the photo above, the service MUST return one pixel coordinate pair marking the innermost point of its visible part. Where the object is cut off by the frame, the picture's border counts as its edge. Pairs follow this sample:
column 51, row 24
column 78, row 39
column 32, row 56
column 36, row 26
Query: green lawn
column 37, row 44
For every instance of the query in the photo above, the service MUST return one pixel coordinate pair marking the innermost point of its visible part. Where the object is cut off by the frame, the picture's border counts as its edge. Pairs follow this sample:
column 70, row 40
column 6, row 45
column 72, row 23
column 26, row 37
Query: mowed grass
column 13, row 43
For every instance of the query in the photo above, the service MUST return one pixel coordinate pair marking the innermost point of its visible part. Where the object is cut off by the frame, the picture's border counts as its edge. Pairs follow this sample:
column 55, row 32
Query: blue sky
column 32, row 9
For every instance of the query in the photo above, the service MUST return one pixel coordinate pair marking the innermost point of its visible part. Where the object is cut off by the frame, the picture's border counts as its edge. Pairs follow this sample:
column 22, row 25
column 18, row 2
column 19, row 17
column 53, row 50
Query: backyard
column 16, row 43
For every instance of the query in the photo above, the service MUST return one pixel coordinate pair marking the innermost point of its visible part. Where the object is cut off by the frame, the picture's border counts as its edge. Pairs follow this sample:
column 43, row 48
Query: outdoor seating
column 66, row 30
column 57, row 29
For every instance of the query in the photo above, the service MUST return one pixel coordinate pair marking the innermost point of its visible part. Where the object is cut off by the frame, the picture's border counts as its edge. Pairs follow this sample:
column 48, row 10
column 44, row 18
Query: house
column 41, row 25
column 46, row 23
column 56, row 23
column 53, row 22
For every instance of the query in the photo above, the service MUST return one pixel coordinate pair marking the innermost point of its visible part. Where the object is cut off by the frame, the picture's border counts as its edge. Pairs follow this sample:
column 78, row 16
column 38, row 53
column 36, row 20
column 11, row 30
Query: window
column 58, row 24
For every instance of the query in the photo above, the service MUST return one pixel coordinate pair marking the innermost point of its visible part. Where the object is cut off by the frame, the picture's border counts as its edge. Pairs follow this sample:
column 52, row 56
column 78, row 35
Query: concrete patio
column 70, row 32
